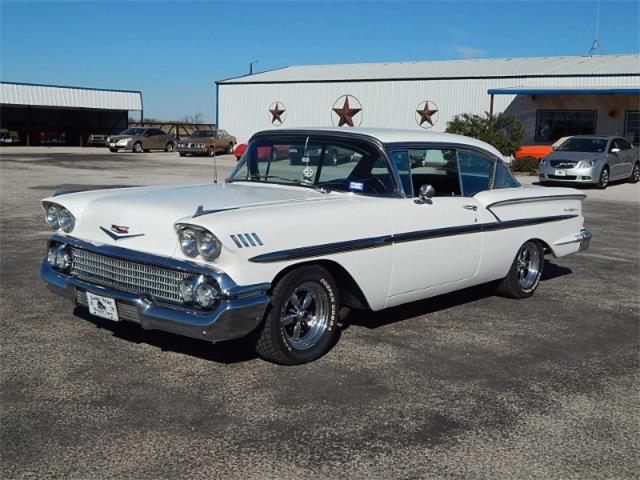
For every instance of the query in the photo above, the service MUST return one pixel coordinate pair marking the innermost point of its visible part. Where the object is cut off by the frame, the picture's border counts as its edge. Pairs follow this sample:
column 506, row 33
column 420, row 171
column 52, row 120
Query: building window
column 632, row 127
column 554, row 124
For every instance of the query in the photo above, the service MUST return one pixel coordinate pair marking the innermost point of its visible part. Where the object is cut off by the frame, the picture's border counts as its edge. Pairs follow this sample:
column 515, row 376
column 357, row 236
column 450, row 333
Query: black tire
column 137, row 148
column 603, row 180
column 211, row 152
column 512, row 286
column 168, row 147
column 230, row 148
column 113, row 150
column 635, row 174
column 274, row 339
column 183, row 154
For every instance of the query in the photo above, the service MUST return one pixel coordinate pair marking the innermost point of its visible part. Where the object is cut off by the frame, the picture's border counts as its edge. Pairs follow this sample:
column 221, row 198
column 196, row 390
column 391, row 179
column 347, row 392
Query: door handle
column 470, row 207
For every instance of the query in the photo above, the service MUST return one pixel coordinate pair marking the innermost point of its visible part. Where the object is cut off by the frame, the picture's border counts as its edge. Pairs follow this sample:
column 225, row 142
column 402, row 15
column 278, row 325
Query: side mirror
column 615, row 150
column 426, row 193
column 554, row 147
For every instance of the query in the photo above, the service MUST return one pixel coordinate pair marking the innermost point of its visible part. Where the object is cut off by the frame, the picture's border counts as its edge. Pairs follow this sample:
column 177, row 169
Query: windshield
column 203, row 133
column 135, row 132
column 577, row 144
column 323, row 164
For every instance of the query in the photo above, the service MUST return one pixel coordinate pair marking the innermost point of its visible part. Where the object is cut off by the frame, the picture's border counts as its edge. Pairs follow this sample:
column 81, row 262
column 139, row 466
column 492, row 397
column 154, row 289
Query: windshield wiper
column 302, row 183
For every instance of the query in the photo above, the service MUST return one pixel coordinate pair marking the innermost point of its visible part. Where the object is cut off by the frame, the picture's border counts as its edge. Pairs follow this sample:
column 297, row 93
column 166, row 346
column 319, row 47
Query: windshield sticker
column 307, row 173
column 359, row 186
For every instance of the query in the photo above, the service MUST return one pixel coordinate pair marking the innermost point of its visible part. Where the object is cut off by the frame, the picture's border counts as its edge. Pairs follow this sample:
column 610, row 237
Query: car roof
column 395, row 135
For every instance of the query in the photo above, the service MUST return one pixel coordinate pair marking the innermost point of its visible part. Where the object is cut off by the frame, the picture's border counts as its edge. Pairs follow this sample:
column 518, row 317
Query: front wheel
column 137, row 147
column 525, row 272
column 603, row 181
column 635, row 174
column 113, row 150
column 301, row 321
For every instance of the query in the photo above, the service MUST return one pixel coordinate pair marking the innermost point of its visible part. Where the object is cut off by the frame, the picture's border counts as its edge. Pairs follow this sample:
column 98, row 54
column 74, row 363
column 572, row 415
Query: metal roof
column 68, row 97
column 532, row 67
column 591, row 90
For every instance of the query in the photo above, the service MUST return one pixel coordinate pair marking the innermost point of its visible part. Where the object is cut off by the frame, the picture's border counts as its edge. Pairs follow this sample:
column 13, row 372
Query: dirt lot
column 467, row 385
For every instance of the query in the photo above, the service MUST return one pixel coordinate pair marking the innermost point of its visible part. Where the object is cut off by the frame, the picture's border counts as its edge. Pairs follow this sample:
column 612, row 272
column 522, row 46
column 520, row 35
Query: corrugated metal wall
column 53, row 96
column 244, row 109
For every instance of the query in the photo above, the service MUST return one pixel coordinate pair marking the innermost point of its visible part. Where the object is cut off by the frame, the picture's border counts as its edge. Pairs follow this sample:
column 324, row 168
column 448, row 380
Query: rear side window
column 503, row 177
column 475, row 172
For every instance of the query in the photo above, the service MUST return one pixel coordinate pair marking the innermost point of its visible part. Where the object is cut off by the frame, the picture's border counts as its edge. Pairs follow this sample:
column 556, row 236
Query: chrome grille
column 128, row 276
column 562, row 163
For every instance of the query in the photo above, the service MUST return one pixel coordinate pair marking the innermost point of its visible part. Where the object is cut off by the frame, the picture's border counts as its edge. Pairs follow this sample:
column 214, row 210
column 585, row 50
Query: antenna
column 595, row 46
column 215, row 165
column 251, row 66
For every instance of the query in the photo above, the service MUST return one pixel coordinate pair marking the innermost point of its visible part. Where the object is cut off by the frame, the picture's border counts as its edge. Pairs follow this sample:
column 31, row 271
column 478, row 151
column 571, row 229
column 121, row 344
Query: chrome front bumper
column 238, row 311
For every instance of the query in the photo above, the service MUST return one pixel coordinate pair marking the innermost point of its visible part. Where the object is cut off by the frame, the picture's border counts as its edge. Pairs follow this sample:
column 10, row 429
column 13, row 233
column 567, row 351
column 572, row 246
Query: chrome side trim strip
column 514, row 201
column 374, row 242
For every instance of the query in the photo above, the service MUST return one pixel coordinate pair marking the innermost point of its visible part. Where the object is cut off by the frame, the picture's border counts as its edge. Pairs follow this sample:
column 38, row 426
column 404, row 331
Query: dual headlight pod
column 587, row 163
column 196, row 241
column 58, row 217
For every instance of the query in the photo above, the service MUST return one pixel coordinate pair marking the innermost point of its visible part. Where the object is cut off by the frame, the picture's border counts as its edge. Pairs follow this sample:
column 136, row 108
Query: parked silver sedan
column 595, row 160
column 141, row 139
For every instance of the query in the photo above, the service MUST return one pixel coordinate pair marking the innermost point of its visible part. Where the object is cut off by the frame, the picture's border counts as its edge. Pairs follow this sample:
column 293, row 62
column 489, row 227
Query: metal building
column 59, row 115
column 552, row 96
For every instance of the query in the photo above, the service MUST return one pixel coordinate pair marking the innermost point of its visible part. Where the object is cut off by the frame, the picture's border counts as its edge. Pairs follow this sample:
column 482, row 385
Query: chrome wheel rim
column 528, row 265
column 170, row 147
column 604, row 178
column 305, row 315
column 636, row 173
column 137, row 147
column 211, row 152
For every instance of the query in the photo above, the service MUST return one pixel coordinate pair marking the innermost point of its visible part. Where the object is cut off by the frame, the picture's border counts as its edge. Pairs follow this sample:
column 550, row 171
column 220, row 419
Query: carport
column 61, row 115
column 550, row 113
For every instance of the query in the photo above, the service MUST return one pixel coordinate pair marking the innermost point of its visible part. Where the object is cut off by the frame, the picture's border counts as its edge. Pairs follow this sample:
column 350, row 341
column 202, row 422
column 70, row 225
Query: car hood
column 558, row 155
column 150, row 213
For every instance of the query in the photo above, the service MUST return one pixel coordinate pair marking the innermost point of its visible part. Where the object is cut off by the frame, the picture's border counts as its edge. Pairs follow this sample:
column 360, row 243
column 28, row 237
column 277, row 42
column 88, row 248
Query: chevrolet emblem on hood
column 118, row 232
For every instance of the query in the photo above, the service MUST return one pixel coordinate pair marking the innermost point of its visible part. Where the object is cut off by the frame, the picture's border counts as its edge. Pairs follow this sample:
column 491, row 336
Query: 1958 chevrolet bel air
column 278, row 249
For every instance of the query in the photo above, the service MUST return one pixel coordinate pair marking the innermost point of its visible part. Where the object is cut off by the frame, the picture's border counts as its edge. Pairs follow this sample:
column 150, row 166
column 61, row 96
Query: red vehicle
column 274, row 153
column 52, row 137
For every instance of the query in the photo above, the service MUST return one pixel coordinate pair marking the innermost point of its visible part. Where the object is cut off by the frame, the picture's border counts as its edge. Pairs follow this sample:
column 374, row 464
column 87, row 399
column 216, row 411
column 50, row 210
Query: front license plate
column 104, row 307
column 561, row 173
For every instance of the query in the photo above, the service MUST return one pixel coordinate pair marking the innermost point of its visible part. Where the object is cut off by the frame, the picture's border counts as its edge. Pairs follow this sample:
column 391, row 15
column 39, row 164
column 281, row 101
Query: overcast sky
column 174, row 51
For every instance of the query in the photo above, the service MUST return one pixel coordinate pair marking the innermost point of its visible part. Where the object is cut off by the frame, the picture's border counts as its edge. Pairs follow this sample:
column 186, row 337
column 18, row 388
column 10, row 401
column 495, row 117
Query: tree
column 502, row 131
column 193, row 118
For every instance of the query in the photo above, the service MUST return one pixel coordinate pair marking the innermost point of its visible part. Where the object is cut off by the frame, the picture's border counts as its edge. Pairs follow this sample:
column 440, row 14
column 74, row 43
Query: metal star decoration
column 346, row 113
column 426, row 113
column 276, row 113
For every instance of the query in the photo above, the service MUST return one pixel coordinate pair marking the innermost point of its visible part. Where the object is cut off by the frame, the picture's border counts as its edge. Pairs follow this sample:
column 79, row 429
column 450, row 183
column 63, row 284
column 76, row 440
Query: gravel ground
column 466, row 385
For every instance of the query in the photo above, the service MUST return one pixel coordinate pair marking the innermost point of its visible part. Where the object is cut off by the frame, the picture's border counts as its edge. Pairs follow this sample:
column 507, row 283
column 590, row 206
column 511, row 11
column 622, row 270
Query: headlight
column 188, row 242
column 66, row 220
column 208, row 245
column 124, row 141
column 587, row 163
column 195, row 240
column 52, row 217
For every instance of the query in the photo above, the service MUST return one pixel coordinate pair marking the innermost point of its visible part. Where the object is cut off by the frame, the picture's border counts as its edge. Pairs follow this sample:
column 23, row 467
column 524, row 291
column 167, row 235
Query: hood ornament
column 119, row 232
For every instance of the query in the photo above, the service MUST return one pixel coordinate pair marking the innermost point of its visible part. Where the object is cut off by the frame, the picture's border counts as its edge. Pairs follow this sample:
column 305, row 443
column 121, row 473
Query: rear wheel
column 635, row 174
column 230, row 148
column 168, row 147
column 525, row 272
column 301, row 322
column 603, row 181
column 137, row 147
column 183, row 154
column 211, row 152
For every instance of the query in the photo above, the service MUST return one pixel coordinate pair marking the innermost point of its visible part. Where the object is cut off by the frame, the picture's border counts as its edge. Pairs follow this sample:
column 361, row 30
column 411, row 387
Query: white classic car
column 278, row 249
